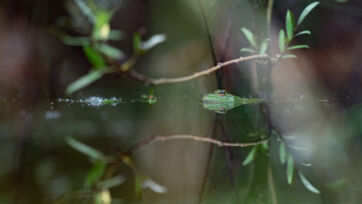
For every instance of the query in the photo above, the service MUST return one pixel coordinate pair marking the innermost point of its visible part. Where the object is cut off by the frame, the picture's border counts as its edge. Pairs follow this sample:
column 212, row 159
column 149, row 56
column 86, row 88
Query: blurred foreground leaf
column 95, row 173
column 155, row 187
column 94, row 57
column 85, row 149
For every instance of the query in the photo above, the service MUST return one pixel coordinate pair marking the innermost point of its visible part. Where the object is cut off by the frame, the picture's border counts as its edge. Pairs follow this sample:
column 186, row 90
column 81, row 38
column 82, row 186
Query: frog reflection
column 221, row 101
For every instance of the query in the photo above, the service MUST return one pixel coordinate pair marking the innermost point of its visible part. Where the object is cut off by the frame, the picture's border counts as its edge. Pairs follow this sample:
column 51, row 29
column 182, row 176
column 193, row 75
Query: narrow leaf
column 304, row 32
column 94, row 57
column 282, row 155
column 290, row 24
column 307, row 184
column 85, row 149
column 306, row 11
column 84, row 81
column 153, row 41
column 297, row 47
column 249, row 36
column 252, row 51
column 110, row 51
column 288, row 56
column 250, row 157
column 264, row 46
column 281, row 41
column 290, row 169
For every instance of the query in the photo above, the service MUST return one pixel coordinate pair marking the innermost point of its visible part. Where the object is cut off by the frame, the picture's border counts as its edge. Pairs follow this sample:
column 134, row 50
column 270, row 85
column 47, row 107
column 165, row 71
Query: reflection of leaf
column 250, row 157
column 306, row 11
column 84, row 81
column 85, row 149
column 112, row 182
column 290, row 169
column 95, row 173
column 138, row 185
column 148, row 183
column 249, row 36
column 289, row 24
column 282, row 153
column 307, row 184
column 79, row 197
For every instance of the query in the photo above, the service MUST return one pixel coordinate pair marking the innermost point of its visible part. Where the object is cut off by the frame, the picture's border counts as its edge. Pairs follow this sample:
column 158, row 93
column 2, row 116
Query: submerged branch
column 152, row 81
column 219, row 143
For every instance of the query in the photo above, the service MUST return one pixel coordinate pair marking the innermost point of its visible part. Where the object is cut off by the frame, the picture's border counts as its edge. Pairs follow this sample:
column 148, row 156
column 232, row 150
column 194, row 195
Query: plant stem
column 135, row 75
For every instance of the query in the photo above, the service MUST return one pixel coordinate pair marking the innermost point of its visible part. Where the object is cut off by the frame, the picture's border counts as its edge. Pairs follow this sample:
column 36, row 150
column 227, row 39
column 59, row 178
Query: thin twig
column 135, row 75
column 155, row 138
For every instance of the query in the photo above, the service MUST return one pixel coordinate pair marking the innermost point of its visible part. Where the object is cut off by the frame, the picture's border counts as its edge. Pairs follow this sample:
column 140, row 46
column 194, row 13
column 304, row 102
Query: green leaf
column 95, row 173
column 264, row 46
column 307, row 184
column 249, row 36
column 306, row 11
column 153, row 41
column 288, row 56
column 252, row 51
column 85, row 149
column 290, row 24
column 304, row 32
column 84, row 81
column 110, row 51
column 94, row 57
column 250, row 157
column 281, row 41
column 294, row 47
column 290, row 169
column 282, row 155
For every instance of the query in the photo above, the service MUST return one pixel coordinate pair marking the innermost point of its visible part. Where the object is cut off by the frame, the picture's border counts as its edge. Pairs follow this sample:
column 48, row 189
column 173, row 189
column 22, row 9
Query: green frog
column 221, row 101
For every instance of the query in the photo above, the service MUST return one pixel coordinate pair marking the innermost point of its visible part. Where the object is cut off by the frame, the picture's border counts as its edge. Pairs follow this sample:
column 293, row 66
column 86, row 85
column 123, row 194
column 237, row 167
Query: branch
column 153, row 81
column 156, row 138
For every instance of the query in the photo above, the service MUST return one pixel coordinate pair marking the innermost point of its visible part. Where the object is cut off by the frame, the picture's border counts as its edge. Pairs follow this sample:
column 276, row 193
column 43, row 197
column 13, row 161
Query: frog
column 221, row 101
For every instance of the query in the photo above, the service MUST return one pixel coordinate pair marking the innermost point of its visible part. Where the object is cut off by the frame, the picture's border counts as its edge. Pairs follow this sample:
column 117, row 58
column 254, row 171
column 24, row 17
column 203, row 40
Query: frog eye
column 221, row 93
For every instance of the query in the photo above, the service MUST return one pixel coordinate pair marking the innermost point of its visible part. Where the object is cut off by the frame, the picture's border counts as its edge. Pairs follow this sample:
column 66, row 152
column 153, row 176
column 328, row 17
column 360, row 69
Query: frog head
column 219, row 96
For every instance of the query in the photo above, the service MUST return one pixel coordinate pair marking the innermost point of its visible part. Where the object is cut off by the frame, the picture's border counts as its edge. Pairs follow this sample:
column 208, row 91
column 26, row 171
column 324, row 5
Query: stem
column 135, row 75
